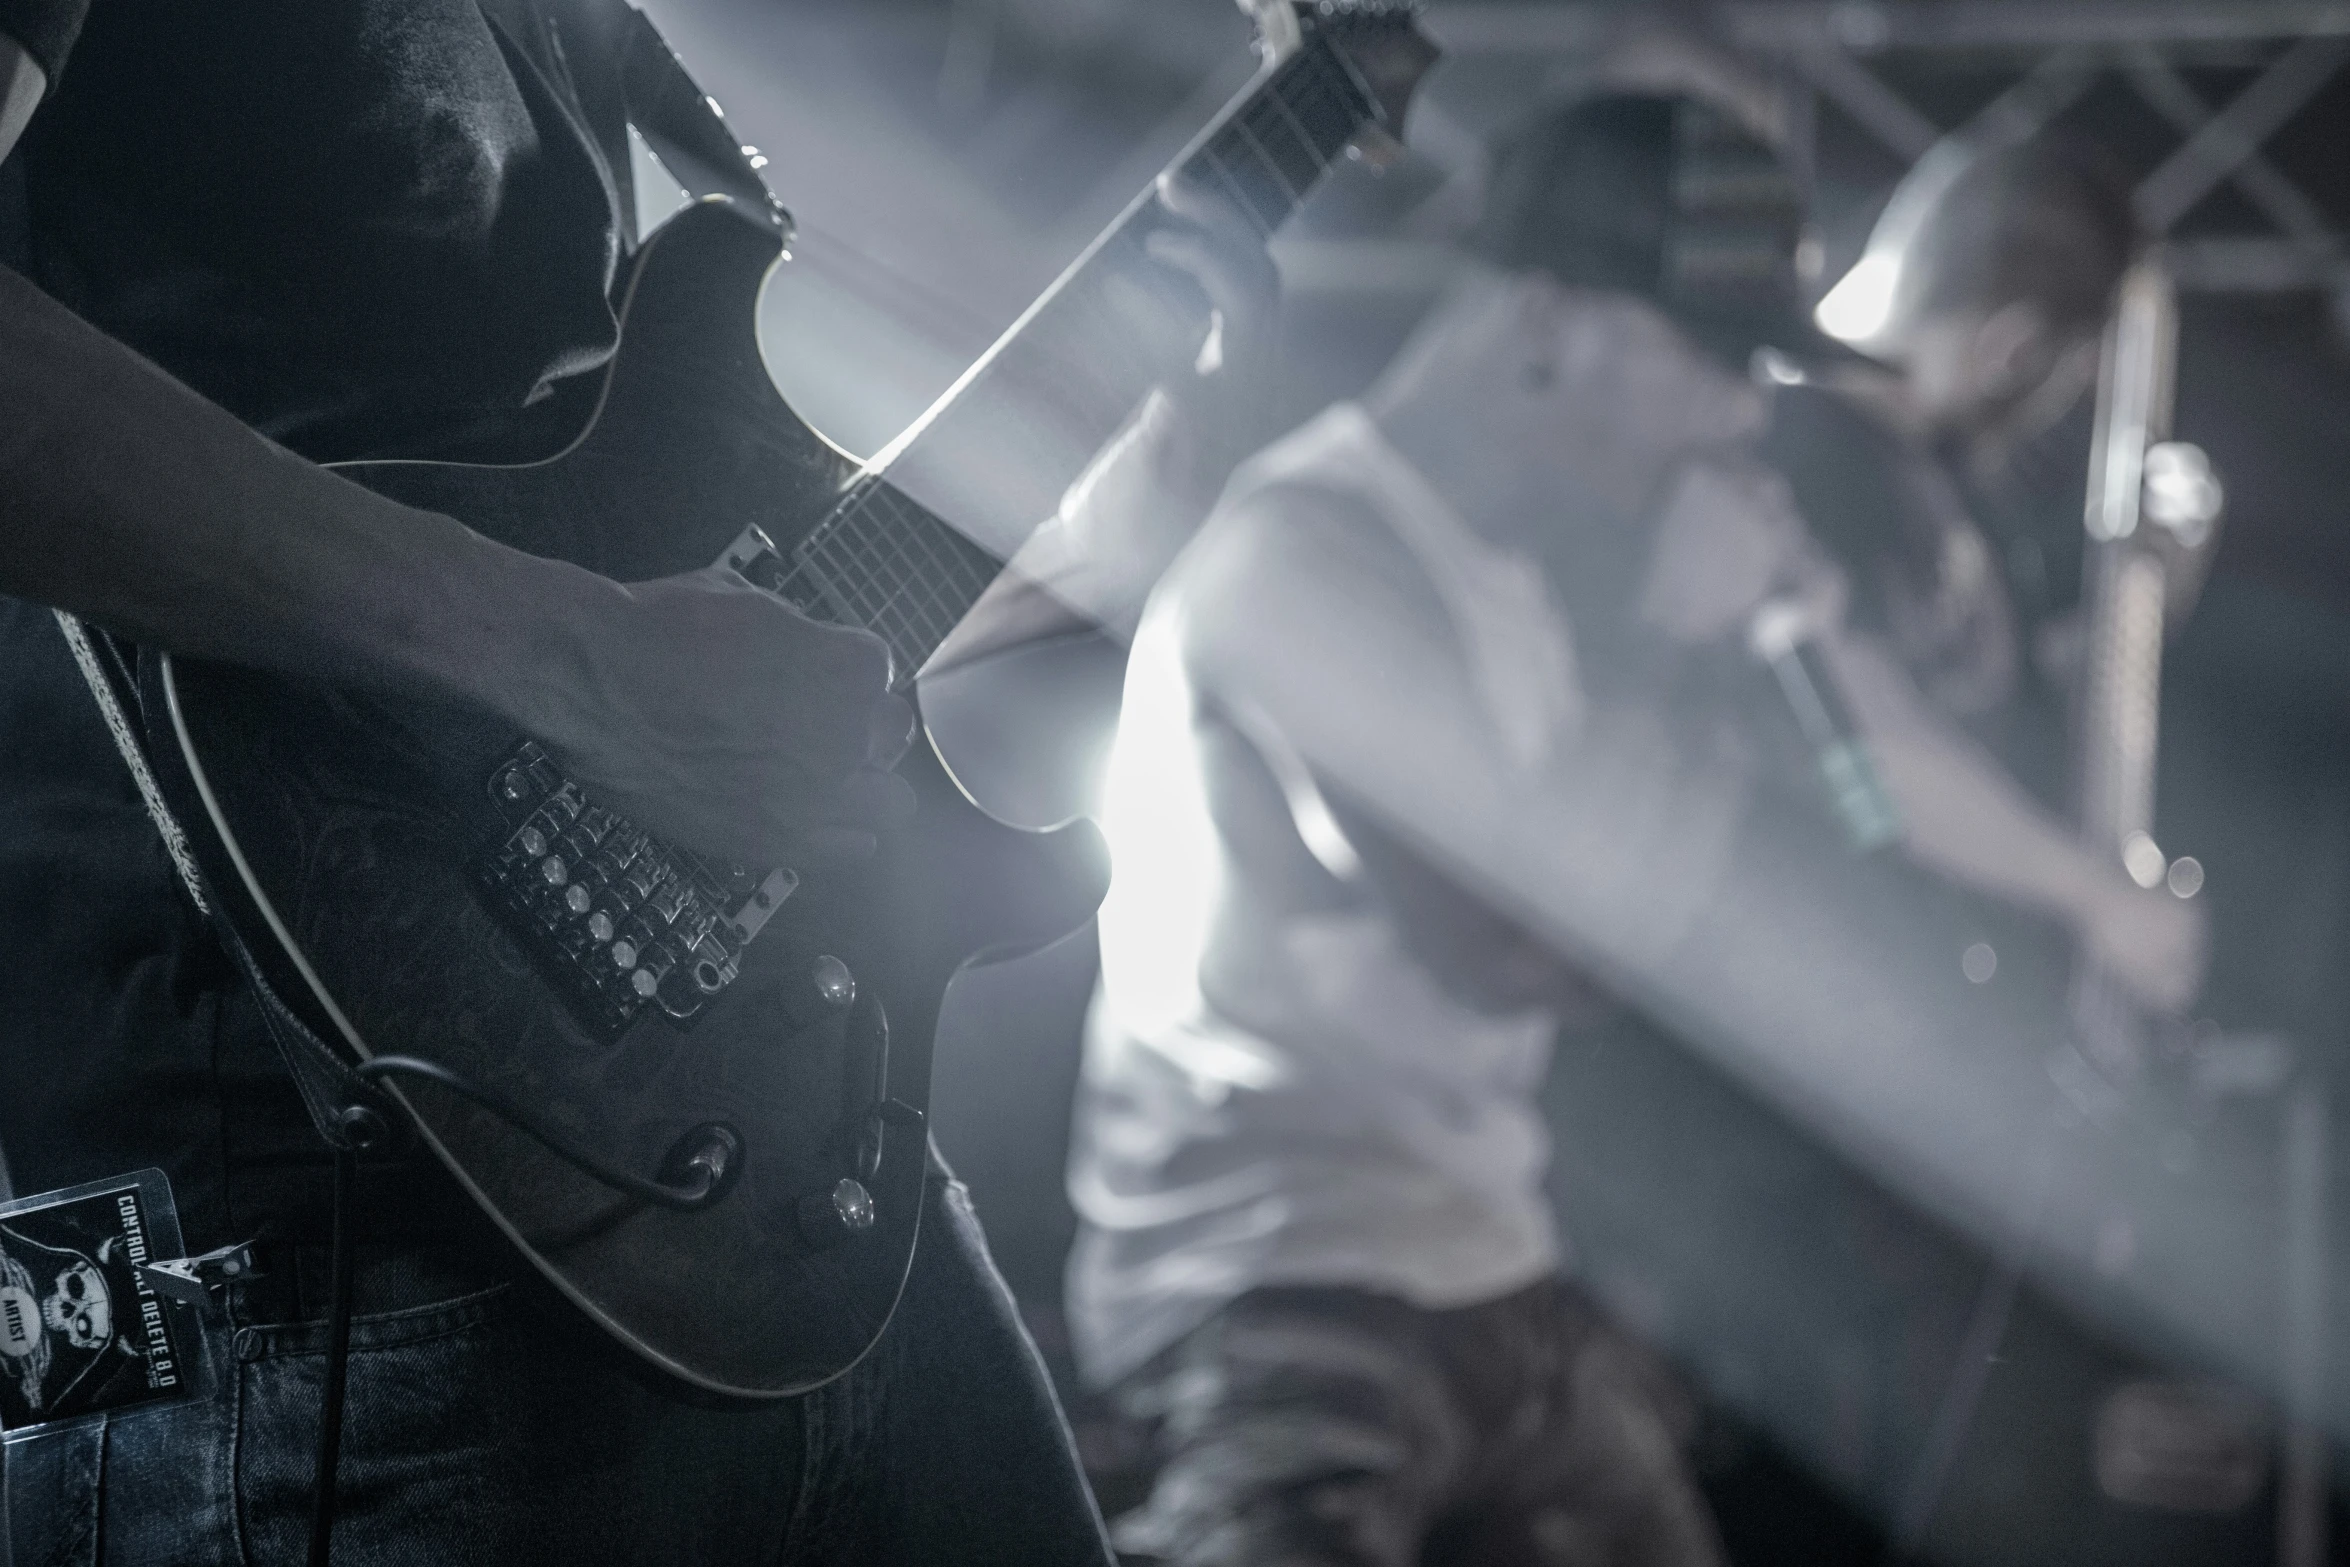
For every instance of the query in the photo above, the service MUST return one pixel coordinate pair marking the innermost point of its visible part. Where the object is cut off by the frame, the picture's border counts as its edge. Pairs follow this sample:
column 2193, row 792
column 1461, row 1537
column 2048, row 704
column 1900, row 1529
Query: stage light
column 1161, row 837
column 1861, row 303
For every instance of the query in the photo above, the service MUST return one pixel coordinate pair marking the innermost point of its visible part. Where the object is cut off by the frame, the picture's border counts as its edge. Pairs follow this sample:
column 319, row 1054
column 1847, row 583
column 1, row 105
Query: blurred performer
column 1308, row 1160
column 1951, row 491
column 1497, row 607
column 1987, row 285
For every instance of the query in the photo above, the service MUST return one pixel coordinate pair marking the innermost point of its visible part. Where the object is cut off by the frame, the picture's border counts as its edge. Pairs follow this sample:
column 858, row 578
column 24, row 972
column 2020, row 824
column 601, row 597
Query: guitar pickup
column 614, row 919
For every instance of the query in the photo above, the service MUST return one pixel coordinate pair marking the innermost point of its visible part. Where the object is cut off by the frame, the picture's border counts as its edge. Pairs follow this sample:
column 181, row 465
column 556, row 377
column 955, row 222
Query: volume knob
column 833, row 981
column 830, row 1217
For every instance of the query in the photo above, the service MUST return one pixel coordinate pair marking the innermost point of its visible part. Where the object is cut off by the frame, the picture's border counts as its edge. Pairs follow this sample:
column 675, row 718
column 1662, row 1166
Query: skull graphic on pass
column 80, row 1307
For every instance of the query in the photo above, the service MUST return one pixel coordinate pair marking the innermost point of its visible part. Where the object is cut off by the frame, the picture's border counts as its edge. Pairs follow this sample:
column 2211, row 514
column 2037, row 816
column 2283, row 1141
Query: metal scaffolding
column 2058, row 50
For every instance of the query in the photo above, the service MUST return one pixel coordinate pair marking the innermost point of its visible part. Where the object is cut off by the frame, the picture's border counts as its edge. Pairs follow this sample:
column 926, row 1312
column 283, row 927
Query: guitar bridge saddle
column 616, row 920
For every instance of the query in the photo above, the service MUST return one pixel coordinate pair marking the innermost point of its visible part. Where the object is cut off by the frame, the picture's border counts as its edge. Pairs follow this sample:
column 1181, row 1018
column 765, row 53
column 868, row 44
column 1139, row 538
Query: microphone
column 1784, row 635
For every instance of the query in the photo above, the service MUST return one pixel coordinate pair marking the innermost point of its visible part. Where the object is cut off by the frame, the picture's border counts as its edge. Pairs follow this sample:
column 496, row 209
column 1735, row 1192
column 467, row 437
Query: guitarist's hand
column 2157, row 945
column 723, row 719
column 1204, row 238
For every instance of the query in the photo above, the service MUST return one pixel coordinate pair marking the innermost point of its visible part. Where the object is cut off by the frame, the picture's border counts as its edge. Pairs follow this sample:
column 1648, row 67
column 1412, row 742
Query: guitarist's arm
column 1964, row 816
column 706, row 707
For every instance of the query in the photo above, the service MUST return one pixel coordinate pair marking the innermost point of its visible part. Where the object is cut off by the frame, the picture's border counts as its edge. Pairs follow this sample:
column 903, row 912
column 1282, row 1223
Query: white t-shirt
column 1312, row 1108
column 1276, row 1095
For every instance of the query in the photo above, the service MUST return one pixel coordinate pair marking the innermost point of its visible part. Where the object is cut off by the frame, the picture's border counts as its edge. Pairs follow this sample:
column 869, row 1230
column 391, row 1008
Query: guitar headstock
column 1380, row 40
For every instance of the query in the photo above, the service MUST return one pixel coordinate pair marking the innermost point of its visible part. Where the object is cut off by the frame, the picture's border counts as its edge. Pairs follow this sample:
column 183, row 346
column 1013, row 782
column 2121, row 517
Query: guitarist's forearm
column 128, row 499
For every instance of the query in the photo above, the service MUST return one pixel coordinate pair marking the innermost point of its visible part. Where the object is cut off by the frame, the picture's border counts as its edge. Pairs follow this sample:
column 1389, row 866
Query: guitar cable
column 343, row 1261
column 702, row 1170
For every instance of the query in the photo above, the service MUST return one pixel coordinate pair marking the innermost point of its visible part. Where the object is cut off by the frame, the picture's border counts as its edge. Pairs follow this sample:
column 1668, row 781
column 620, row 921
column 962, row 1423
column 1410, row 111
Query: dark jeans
column 495, row 1428
column 1337, row 1428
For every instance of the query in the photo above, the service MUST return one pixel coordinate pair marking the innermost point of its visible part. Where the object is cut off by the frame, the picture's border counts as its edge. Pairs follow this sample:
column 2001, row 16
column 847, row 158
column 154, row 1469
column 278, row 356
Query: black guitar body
column 345, row 832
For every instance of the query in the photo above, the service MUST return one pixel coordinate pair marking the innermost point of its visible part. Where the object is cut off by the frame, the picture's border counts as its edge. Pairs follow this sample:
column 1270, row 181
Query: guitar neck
column 997, row 450
column 1272, row 147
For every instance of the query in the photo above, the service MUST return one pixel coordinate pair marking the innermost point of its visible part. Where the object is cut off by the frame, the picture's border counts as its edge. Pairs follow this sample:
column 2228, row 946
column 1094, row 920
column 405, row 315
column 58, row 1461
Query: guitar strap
column 681, row 123
column 107, row 671
column 16, row 240
column 328, row 1086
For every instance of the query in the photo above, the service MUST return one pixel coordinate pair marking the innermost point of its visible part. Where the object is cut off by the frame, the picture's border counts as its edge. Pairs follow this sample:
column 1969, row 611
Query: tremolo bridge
column 622, row 921
column 618, row 919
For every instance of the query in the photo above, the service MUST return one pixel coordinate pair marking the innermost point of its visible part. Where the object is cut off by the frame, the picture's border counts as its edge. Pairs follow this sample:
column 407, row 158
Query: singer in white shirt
column 1443, row 725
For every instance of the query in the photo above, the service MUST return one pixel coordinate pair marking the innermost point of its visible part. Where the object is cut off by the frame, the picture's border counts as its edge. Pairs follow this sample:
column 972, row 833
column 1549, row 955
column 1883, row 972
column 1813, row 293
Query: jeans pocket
column 427, row 1469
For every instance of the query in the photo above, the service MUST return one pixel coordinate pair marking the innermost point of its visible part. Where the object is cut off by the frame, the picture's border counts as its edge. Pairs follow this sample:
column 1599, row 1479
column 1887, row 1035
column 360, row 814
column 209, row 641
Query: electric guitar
column 753, row 1042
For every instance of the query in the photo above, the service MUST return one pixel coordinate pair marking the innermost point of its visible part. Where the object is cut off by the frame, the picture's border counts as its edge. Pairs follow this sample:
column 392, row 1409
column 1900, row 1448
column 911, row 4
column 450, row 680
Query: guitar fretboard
column 1281, row 142
column 892, row 566
column 889, row 565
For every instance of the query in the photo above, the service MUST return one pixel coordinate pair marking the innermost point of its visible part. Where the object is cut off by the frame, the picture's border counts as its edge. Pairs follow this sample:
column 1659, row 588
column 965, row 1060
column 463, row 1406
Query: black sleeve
column 45, row 28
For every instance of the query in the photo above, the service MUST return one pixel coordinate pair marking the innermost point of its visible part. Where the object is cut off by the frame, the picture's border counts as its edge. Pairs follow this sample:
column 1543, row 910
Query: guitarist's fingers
column 1200, row 257
column 1207, row 239
column 1238, row 273
column 891, row 731
column 1204, row 205
column 832, row 845
column 847, row 827
column 871, row 797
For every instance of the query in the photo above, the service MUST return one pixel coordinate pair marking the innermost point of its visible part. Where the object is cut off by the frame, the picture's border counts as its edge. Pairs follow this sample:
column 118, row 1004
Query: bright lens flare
column 1861, row 303
column 1165, row 876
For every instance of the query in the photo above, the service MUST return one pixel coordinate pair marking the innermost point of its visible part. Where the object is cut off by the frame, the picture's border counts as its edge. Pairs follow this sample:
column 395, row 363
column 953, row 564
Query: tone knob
column 830, row 1217
column 833, row 981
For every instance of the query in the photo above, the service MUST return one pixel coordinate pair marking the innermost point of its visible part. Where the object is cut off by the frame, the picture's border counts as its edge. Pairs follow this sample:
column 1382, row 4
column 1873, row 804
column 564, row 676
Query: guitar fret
column 888, row 565
column 1327, row 91
column 1289, row 188
column 1279, row 132
column 1269, row 156
column 1317, row 164
column 1228, row 171
column 1273, row 123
